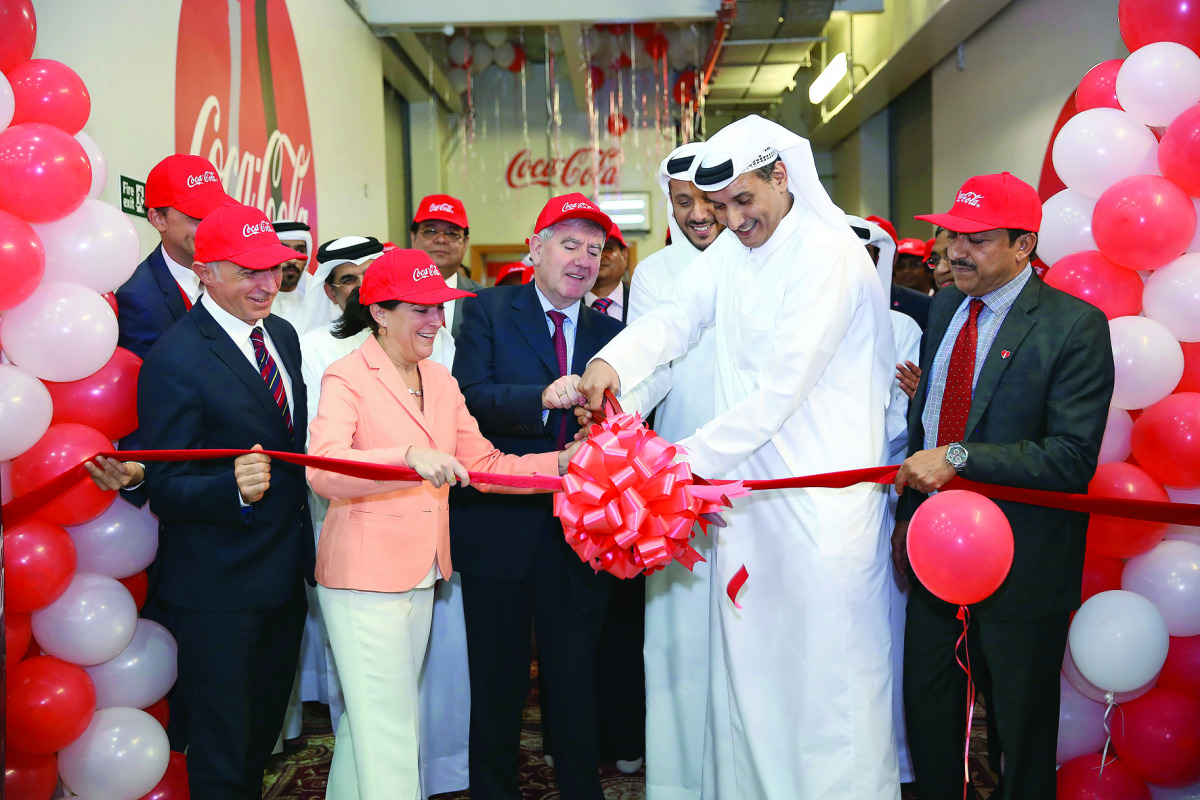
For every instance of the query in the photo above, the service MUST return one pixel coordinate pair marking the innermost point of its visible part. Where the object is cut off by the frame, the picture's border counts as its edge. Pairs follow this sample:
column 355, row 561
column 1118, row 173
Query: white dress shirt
column 569, row 326
column 616, row 309
column 239, row 332
column 188, row 280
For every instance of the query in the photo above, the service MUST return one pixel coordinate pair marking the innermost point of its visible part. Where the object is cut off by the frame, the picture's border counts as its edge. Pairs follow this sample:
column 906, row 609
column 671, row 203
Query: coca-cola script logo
column 572, row 206
column 970, row 198
column 420, row 273
column 258, row 227
column 579, row 169
column 195, row 180
column 239, row 102
column 449, row 209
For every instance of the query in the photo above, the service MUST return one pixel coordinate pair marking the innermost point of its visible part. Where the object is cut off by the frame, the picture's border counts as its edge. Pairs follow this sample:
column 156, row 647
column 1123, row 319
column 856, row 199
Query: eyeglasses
column 934, row 260
column 454, row 237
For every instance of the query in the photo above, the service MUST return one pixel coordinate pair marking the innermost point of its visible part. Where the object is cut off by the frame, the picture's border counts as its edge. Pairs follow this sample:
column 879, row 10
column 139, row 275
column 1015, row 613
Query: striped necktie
column 601, row 304
column 270, row 374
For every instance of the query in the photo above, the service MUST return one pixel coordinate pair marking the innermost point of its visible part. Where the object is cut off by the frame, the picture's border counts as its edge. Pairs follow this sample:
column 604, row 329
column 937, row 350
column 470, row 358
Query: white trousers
column 379, row 641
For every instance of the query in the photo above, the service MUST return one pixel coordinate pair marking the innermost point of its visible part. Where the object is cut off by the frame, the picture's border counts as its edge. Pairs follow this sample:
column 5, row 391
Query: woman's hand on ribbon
column 598, row 376
column 926, row 471
column 437, row 467
column 253, row 475
column 562, row 394
column 111, row 475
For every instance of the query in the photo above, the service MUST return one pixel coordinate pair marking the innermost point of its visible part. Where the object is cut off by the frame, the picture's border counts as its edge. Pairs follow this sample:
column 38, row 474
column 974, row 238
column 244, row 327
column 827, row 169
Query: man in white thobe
column 800, row 683
column 289, row 303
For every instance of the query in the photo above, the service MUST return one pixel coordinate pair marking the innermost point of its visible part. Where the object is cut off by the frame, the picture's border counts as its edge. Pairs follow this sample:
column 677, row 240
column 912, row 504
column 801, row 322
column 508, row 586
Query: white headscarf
column 318, row 310
column 880, row 238
column 678, row 166
column 754, row 142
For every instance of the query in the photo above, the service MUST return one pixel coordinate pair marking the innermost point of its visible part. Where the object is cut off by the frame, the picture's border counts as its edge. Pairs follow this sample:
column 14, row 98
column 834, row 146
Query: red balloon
column 138, row 585
column 61, row 448
column 1190, row 382
column 1178, row 150
column 1143, row 222
column 18, row 633
column 597, row 76
column 960, row 546
column 107, row 399
column 618, row 124
column 50, row 702
column 622, row 61
column 44, row 172
column 618, row 28
column 1093, row 278
column 28, row 776
column 22, row 260
column 1146, row 21
column 174, row 784
column 39, row 562
column 1082, row 779
column 1114, row 537
column 1181, row 672
column 1158, row 737
column 518, row 62
column 1166, row 440
column 656, row 46
column 18, row 32
column 644, row 29
column 684, row 91
column 1100, row 574
column 1098, row 89
column 161, row 711
column 51, row 92
column 111, row 299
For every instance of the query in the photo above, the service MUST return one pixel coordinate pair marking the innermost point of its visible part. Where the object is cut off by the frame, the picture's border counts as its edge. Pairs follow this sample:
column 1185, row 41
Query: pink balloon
column 142, row 673
column 1094, row 279
column 1158, row 737
column 44, row 172
column 1181, row 672
column 120, row 542
column 1066, row 226
column 1179, row 151
column 1166, row 440
column 123, row 753
column 1169, row 577
column 960, row 546
column 63, row 332
column 1098, row 89
column 22, row 260
column 1083, row 779
column 49, row 91
column 18, row 30
column 90, row 623
column 1143, row 222
column 1116, row 446
column 1080, row 723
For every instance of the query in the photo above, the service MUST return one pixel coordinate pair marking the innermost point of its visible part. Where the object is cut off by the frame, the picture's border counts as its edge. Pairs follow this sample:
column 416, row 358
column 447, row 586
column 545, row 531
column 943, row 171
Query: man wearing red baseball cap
column 910, row 270
column 235, row 536
column 1015, row 386
column 440, row 228
column 180, row 191
column 520, row 352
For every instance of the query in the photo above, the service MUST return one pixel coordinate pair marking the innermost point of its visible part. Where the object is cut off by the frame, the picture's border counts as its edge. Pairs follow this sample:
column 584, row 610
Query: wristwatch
column 956, row 457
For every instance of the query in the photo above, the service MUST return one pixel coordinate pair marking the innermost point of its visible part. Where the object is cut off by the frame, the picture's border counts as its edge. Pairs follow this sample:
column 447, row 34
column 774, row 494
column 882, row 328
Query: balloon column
column 81, row 665
column 1123, row 236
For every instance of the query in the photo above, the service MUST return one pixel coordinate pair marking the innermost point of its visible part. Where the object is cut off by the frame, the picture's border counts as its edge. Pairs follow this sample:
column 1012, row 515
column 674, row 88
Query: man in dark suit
column 235, row 536
column 1016, row 382
column 518, row 359
column 440, row 228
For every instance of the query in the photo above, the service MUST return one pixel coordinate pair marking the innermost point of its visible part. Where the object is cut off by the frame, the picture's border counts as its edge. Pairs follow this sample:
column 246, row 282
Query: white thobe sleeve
column 647, row 290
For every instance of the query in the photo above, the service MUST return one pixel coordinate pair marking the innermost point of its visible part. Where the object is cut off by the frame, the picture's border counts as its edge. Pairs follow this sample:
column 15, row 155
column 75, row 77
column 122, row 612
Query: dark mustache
column 962, row 262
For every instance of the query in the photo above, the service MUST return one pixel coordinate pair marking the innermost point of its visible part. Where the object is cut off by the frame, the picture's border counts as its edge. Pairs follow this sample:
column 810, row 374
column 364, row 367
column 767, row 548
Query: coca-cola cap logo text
column 207, row 177
column 970, row 198
column 579, row 169
column 449, row 209
column 249, row 230
column 572, row 206
column 421, row 273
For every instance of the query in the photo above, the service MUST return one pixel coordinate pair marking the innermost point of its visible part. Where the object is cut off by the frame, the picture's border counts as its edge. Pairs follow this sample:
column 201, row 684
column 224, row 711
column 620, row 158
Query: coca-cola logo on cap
column 249, row 230
column 420, row 273
column 208, row 176
column 447, row 207
column 262, row 147
column 970, row 198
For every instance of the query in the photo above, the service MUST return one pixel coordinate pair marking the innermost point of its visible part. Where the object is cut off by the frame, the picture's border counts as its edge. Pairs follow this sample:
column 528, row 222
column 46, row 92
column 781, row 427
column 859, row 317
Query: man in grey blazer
column 1016, row 382
column 440, row 229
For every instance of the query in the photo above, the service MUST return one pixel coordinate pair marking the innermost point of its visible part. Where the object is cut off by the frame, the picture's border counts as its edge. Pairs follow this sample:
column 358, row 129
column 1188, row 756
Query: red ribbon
column 964, row 614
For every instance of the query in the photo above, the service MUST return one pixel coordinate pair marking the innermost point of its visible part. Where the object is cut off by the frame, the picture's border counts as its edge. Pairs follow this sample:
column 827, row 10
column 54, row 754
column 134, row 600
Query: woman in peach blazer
column 384, row 543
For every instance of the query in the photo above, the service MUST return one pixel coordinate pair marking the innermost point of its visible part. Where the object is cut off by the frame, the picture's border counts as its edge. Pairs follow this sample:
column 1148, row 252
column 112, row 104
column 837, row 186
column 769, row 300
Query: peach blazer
column 382, row 536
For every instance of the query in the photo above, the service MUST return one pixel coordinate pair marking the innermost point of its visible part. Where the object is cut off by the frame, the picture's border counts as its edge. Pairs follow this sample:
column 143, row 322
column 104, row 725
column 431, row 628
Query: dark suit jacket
column 1037, row 418
column 197, row 390
column 147, row 304
column 911, row 303
column 503, row 360
column 467, row 285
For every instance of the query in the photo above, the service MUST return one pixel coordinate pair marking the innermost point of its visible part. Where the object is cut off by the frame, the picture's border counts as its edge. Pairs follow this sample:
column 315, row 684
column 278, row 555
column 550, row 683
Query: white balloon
column 142, row 673
column 481, row 57
column 90, row 623
column 63, row 332
column 1066, row 226
column 1080, row 723
column 592, row 41
column 1158, row 82
column 504, row 55
column 1098, row 147
column 1093, row 692
column 1118, row 640
column 495, row 36
column 1148, row 360
column 1117, row 431
column 458, row 51
column 1164, row 793
column 8, row 102
column 458, row 78
column 1169, row 577
column 25, row 411
column 120, row 542
column 94, row 246
column 122, row 755
column 98, row 161
column 1172, row 297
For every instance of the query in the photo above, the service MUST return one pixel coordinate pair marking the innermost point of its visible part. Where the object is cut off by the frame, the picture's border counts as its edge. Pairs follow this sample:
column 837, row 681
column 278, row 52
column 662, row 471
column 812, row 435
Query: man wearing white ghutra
column 800, row 684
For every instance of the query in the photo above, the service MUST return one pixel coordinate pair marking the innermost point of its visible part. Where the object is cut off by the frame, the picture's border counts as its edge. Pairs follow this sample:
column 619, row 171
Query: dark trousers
column 621, row 673
column 1022, row 659
column 500, row 616
column 235, row 675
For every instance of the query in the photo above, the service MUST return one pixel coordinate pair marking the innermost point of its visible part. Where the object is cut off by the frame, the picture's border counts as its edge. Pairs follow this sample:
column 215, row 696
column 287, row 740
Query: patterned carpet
column 302, row 775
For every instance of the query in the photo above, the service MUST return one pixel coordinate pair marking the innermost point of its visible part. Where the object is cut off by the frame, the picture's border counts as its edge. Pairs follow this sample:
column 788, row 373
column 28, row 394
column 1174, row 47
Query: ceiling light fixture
column 830, row 77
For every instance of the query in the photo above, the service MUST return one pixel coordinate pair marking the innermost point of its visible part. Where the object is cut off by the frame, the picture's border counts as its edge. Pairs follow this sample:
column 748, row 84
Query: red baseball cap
column 188, row 184
column 987, row 202
column 912, row 247
column 243, row 235
column 441, row 207
column 888, row 227
column 615, row 233
column 516, row 266
column 407, row 275
column 572, row 206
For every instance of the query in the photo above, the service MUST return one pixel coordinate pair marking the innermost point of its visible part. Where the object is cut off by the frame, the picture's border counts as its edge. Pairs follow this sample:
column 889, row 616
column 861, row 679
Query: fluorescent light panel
column 833, row 73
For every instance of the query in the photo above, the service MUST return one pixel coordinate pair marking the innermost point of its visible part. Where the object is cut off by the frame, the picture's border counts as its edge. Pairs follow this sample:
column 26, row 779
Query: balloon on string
column 26, row 410
column 1118, row 641
column 495, row 36
column 596, row 75
column 39, row 565
column 18, row 633
column 1094, row 279
column 617, row 124
column 44, row 172
column 458, row 51
column 29, row 776
column 64, row 447
column 90, row 623
column 1117, row 537
column 174, row 784
column 504, row 55
column 1179, row 150
column 684, row 90
column 1066, row 226
column 1080, row 723
column 458, row 78
column 8, row 102
column 960, row 546
column 1181, row 672
column 140, row 674
column 63, row 332
column 161, row 711
column 1143, row 222
column 1099, row 147
column 138, row 586
column 1159, row 81
column 1166, row 440
column 105, row 400
column 51, row 92
column 1172, row 297
column 1148, row 360
column 18, row 31
column 123, row 753
column 49, row 704
column 1083, row 778
column 1115, row 446
column 656, row 46
column 1158, row 737
column 481, row 57
column 1093, row 692
column 94, row 246
column 1098, row 89
column 644, row 30
column 1100, row 574
column 592, row 41
column 621, row 61
column 518, row 62
column 22, row 260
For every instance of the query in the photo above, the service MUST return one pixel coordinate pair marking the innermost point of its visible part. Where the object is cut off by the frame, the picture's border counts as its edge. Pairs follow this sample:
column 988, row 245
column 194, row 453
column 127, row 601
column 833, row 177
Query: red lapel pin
column 1005, row 354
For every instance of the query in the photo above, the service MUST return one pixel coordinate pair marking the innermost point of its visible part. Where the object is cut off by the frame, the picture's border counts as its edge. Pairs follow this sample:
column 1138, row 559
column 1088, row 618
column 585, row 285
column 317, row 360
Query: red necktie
column 270, row 374
column 956, row 398
column 601, row 304
column 560, row 350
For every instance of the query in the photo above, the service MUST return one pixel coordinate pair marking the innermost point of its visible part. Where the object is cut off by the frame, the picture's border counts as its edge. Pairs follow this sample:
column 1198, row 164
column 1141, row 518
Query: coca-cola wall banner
column 239, row 102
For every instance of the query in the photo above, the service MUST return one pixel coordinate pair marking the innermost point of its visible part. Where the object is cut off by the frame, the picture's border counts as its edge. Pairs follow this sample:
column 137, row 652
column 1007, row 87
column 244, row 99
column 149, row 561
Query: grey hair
column 545, row 233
